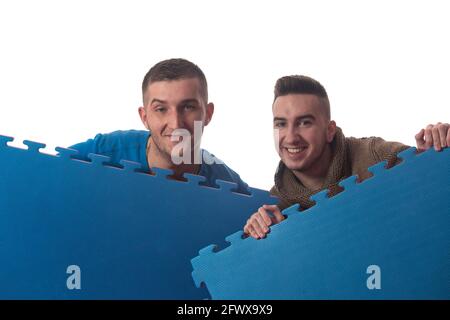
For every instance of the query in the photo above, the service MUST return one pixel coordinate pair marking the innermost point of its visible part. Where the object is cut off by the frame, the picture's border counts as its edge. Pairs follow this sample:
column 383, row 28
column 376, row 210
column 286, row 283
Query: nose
column 175, row 120
column 292, row 136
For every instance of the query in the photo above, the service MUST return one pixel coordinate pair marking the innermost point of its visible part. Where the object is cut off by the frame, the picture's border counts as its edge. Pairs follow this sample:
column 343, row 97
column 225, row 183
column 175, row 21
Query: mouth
column 176, row 136
column 297, row 150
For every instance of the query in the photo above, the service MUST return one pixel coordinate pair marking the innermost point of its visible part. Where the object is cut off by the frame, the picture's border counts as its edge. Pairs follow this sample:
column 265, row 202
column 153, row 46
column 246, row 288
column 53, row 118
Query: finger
column 276, row 212
column 270, row 206
column 257, row 227
column 436, row 138
column 428, row 137
column 247, row 228
column 443, row 128
column 262, row 224
column 252, row 232
column 263, row 213
column 448, row 138
column 420, row 140
column 419, row 137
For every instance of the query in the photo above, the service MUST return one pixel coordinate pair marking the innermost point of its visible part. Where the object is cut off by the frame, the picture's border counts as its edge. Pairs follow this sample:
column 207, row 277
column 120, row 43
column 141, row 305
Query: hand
column 258, row 224
column 433, row 135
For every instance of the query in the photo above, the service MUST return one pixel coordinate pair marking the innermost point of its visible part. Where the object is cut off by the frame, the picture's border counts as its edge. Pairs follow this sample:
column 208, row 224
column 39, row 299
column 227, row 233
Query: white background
column 71, row 69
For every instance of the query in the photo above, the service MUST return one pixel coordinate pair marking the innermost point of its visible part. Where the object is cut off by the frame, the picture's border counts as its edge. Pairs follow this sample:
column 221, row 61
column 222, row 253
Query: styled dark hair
column 175, row 69
column 298, row 84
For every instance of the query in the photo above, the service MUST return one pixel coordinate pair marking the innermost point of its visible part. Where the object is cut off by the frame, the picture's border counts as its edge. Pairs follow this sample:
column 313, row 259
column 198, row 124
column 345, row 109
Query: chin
column 294, row 165
column 169, row 151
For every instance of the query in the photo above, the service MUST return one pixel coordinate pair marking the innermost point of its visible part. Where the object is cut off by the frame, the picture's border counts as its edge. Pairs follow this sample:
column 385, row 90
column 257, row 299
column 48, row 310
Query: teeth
column 295, row 150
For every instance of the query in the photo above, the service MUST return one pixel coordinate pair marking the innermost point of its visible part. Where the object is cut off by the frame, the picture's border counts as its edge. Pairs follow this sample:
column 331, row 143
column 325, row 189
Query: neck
column 157, row 159
column 314, row 177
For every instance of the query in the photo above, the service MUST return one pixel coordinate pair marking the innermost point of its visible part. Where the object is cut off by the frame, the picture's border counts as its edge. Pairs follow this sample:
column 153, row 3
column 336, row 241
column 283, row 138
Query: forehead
column 174, row 90
column 296, row 105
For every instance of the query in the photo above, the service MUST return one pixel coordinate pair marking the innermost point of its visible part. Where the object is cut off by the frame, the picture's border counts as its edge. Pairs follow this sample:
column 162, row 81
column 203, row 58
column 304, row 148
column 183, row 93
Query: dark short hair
column 298, row 84
column 175, row 69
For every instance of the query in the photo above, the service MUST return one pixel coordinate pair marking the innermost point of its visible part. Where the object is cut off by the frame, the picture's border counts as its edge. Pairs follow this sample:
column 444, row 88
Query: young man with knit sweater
column 314, row 152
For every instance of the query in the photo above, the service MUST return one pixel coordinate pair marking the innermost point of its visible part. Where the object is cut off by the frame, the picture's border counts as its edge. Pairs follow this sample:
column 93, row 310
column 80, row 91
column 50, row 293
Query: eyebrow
column 306, row 116
column 189, row 101
column 158, row 101
column 182, row 102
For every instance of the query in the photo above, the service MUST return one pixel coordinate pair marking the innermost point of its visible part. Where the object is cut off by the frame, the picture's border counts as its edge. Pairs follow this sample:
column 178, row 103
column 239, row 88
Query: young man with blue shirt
column 175, row 106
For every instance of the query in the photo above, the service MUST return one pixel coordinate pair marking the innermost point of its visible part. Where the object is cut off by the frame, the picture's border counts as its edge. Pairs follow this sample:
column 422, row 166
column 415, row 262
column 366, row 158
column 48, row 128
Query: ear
column 209, row 113
column 331, row 131
column 143, row 116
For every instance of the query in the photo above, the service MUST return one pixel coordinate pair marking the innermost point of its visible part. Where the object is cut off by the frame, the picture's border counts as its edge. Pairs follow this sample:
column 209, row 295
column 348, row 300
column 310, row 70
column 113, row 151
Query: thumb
column 420, row 135
column 277, row 216
column 420, row 138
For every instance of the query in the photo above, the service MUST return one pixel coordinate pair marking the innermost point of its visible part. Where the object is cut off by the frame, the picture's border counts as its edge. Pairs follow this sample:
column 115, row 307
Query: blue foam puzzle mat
column 131, row 234
column 387, row 237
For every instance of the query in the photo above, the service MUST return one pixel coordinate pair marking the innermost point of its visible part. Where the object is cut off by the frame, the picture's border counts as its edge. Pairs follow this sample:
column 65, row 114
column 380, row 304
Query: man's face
column 172, row 105
column 303, row 130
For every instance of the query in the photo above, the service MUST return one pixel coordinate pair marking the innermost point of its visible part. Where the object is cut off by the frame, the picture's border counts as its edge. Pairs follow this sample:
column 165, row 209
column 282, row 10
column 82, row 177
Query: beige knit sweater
column 350, row 156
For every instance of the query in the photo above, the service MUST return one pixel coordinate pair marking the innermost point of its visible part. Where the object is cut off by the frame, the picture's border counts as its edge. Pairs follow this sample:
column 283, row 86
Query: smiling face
column 304, row 132
column 172, row 105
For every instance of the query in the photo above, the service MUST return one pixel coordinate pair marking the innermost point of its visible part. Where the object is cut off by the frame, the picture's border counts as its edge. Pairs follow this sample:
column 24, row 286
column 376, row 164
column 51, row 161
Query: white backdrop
column 71, row 69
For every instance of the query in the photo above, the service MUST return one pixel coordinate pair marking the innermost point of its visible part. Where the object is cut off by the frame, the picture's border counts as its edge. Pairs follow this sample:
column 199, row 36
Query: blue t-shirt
column 132, row 145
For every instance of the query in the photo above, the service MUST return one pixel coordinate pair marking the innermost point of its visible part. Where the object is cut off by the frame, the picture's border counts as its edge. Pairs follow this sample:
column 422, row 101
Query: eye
column 189, row 107
column 160, row 109
column 305, row 123
column 279, row 124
